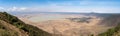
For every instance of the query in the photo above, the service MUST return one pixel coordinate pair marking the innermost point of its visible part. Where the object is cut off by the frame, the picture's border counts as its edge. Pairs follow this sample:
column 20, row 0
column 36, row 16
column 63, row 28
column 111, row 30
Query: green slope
column 7, row 29
column 113, row 20
column 31, row 30
column 112, row 32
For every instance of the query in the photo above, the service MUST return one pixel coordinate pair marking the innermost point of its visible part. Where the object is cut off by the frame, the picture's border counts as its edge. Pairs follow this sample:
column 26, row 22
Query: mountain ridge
column 29, row 29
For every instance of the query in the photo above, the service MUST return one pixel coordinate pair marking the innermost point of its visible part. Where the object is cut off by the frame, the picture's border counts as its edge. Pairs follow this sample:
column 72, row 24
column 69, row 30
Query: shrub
column 31, row 30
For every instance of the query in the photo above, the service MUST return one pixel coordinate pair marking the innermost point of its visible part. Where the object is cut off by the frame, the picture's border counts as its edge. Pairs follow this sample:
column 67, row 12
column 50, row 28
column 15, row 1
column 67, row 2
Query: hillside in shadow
column 12, row 26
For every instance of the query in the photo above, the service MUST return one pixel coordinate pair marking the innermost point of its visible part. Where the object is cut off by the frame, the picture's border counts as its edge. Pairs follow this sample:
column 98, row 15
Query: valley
column 66, row 24
column 59, row 17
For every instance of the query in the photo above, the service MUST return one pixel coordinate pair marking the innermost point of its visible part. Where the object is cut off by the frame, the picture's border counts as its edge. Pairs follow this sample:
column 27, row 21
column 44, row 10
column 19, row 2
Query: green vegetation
column 84, row 19
column 31, row 30
column 34, row 31
column 112, row 20
column 4, row 31
column 112, row 31
column 7, row 33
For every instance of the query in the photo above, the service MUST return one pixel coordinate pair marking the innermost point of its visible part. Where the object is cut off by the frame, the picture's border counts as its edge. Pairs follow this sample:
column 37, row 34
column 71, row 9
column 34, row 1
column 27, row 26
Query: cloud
column 69, row 6
column 2, row 9
column 13, row 9
column 83, row 6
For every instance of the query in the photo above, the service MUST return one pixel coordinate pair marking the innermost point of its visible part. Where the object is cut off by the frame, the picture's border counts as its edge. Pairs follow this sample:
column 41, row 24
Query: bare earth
column 58, row 24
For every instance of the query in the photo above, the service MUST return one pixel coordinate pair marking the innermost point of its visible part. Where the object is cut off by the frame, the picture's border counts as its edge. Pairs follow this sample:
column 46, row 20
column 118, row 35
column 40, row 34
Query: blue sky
column 86, row 6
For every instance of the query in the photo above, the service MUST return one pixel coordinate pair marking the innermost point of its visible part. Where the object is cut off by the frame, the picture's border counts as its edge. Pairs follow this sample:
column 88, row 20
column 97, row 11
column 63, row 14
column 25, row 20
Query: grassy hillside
column 112, row 32
column 7, row 29
column 113, row 20
column 29, row 29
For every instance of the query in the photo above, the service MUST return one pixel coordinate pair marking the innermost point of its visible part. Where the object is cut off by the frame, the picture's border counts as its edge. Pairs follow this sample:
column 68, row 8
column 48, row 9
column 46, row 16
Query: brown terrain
column 12, row 28
column 65, row 26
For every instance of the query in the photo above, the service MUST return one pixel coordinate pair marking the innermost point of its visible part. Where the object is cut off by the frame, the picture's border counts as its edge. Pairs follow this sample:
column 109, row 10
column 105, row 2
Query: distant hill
column 12, row 26
column 112, row 32
column 111, row 20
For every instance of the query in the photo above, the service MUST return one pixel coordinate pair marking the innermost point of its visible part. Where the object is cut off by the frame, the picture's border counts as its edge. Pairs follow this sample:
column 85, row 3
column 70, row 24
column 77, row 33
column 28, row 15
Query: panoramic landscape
column 59, row 18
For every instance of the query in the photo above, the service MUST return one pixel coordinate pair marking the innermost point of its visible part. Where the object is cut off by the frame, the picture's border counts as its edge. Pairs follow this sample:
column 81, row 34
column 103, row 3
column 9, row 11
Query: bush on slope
column 31, row 30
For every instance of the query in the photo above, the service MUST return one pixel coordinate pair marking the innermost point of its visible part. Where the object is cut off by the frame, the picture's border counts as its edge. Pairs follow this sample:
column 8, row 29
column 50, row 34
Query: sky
column 82, row 6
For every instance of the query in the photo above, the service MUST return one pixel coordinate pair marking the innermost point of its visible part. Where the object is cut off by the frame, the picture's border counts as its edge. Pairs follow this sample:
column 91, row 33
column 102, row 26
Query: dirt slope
column 66, row 27
column 10, row 27
column 10, row 20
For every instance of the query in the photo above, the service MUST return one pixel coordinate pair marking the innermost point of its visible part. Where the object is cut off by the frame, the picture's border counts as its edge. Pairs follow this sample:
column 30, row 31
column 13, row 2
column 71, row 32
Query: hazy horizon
column 60, row 17
column 78, row 6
